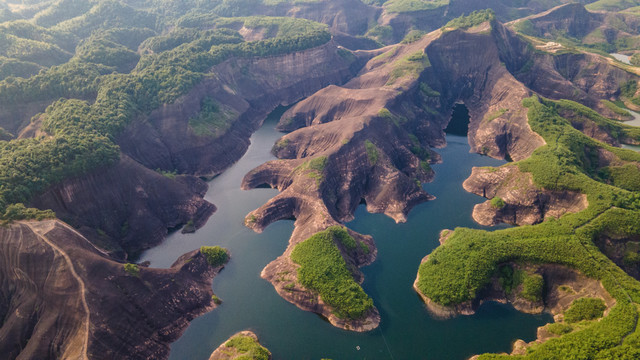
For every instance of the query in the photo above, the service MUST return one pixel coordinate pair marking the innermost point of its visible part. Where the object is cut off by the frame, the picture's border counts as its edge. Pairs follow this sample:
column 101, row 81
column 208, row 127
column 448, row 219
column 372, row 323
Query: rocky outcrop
column 130, row 207
column 250, row 88
column 517, row 199
column 431, row 19
column 127, row 207
column 571, row 19
column 60, row 297
column 368, row 139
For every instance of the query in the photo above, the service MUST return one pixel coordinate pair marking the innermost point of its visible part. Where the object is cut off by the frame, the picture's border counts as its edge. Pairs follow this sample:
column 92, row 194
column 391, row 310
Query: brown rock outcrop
column 524, row 203
column 131, row 207
column 366, row 140
column 60, row 297
column 127, row 207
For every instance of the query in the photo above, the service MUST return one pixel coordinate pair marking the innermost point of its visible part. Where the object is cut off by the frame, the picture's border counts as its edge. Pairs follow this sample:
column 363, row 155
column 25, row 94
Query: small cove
column 407, row 330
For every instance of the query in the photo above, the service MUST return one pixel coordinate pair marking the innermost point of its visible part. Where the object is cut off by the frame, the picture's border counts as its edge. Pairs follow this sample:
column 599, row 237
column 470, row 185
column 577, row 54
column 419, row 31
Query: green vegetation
column 324, row 270
column 559, row 328
column 17, row 68
column 372, row 152
column 471, row 20
column 497, row 202
column 428, row 91
column 213, row 119
column 215, row 255
column 509, row 278
column 382, row 34
column 314, row 168
column 341, row 234
column 400, row 6
column 107, row 15
column 15, row 212
column 615, row 108
column 585, row 309
column 132, row 269
column 459, row 269
column 635, row 59
column 532, row 287
column 494, row 115
column 612, row 5
column 411, row 65
column 246, row 348
column 216, row 299
column 83, row 132
column 273, row 26
column 412, row 36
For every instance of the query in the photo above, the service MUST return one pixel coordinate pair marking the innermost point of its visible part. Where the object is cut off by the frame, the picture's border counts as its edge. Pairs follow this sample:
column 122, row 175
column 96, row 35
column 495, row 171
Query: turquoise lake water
column 407, row 330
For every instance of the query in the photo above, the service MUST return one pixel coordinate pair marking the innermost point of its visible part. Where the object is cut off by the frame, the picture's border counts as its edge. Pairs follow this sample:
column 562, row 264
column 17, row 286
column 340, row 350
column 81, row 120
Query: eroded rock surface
column 60, row 297
column 368, row 140
column 522, row 202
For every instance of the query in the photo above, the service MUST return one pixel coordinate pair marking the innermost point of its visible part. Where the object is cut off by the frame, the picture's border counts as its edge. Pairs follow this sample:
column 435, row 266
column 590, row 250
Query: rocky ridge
column 135, row 217
column 335, row 157
column 106, row 312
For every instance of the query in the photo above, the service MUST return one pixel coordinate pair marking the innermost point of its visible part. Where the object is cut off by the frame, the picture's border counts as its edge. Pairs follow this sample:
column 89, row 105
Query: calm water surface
column 407, row 330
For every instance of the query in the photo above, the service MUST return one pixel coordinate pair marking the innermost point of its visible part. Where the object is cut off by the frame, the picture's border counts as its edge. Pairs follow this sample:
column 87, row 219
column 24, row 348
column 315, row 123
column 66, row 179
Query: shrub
column 585, row 309
column 532, row 287
column 215, row 255
column 132, row 269
column 372, row 152
column 498, row 203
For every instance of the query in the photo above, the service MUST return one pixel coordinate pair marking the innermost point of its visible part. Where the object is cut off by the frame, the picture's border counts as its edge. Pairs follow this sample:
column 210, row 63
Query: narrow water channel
column 407, row 330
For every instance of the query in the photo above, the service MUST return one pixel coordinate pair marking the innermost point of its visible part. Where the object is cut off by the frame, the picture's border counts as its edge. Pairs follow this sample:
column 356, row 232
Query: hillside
column 114, row 115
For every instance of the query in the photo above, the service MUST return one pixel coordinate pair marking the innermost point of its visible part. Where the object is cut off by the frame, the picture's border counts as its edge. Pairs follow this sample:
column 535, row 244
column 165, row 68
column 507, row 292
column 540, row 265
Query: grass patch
column 412, row 36
column 401, row 6
column 314, row 168
column 324, row 270
column 559, row 328
column 247, row 348
column 372, row 152
column 409, row 66
column 615, row 108
column 497, row 203
column 475, row 18
column 494, row 115
column 213, row 119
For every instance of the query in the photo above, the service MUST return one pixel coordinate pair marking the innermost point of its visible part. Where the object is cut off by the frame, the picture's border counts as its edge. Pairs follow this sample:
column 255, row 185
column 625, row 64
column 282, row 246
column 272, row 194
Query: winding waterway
column 407, row 330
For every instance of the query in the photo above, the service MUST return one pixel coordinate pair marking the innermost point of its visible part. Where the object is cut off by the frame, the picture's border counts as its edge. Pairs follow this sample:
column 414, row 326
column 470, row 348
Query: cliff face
column 130, row 207
column 249, row 88
column 369, row 139
column 127, row 207
column 429, row 20
column 60, row 297
column 523, row 203
column 572, row 19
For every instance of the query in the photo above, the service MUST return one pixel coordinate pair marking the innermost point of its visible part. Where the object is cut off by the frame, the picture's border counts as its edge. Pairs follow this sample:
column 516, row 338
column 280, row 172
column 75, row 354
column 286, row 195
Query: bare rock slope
column 61, row 298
